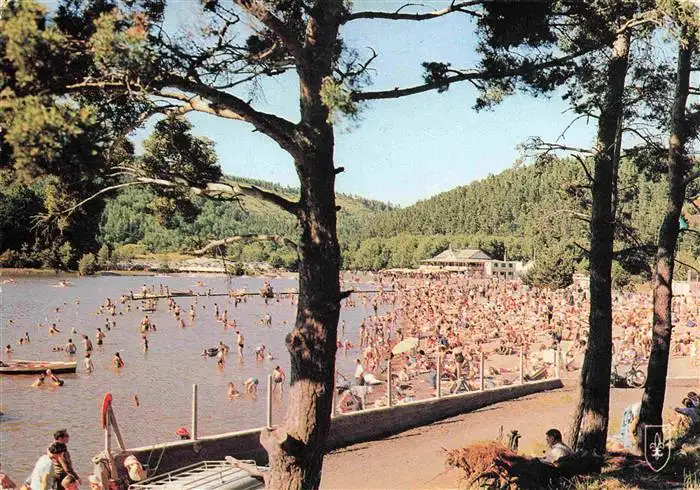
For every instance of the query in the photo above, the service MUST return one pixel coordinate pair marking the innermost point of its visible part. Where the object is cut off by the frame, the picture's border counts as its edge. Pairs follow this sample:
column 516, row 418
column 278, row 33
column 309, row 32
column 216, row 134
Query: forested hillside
column 527, row 212
column 131, row 225
column 534, row 211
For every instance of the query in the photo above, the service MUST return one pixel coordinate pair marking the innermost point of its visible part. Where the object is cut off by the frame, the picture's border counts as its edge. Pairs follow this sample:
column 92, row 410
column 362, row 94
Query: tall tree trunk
column 590, row 426
column 655, row 389
column 297, row 447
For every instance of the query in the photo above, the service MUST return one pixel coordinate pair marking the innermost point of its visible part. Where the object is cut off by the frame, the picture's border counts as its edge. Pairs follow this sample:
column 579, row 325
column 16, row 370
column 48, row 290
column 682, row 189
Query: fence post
column 333, row 402
column 269, row 401
column 194, row 412
column 437, row 378
column 522, row 365
column 108, row 438
column 481, row 372
column 388, row 381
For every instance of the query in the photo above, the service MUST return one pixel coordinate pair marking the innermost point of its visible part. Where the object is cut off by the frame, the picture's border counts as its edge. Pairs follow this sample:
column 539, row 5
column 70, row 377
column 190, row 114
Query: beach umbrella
column 405, row 345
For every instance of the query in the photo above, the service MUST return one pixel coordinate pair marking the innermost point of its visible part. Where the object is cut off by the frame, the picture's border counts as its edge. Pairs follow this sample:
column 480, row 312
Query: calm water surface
column 162, row 378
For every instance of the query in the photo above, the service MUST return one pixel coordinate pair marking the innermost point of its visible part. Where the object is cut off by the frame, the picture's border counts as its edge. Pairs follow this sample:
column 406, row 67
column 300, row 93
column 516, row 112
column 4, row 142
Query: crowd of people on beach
column 432, row 330
column 456, row 320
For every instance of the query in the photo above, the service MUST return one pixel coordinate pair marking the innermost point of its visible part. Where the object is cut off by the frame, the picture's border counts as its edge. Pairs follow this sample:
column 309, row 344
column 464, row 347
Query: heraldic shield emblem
column 657, row 450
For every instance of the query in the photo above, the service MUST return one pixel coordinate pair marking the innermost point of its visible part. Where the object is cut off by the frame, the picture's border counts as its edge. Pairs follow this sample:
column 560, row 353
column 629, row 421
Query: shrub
column 128, row 251
column 11, row 258
column 67, row 255
column 235, row 269
column 87, row 265
column 104, row 256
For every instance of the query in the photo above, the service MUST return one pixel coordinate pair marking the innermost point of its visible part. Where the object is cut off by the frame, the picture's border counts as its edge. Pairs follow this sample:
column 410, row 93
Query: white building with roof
column 473, row 262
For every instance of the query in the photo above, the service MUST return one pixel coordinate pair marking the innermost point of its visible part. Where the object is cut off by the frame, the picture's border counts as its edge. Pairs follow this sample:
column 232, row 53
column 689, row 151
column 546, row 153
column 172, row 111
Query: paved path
column 415, row 459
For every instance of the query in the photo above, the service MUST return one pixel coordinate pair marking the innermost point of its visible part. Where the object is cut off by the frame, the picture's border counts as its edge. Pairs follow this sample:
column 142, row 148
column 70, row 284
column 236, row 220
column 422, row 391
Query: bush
column 235, row 269
column 87, row 265
column 128, row 251
column 104, row 256
column 11, row 258
column 67, row 255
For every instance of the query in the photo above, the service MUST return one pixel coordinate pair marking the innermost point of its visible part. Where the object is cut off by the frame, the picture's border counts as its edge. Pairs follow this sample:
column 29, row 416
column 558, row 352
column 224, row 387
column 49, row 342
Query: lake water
column 162, row 377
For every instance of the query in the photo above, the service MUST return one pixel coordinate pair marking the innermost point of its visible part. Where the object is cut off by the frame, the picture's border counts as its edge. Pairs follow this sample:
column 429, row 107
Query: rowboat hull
column 38, row 367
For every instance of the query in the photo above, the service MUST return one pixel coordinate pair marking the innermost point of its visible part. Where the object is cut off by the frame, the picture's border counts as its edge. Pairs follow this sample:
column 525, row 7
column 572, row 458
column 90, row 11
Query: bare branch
column 687, row 265
column 546, row 146
column 397, row 15
column 585, row 168
column 463, row 76
column 694, row 204
column 99, row 193
column 585, row 251
column 215, row 244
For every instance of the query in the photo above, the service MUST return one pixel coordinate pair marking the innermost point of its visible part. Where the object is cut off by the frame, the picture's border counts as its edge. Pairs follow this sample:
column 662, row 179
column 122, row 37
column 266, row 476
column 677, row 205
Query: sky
column 407, row 149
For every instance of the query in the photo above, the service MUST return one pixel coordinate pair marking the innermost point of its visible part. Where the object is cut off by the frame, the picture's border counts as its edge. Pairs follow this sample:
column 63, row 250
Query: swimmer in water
column 251, row 386
column 240, row 340
column 232, row 391
column 117, row 361
column 87, row 362
column 39, row 381
column 53, row 378
column 70, row 347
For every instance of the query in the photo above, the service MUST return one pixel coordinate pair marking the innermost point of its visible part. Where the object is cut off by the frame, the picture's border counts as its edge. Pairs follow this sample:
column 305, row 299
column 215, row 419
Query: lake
column 162, row 377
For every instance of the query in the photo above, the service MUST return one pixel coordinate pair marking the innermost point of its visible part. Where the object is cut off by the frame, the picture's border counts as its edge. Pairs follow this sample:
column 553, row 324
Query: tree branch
column 585, row 168
column 218, row 101
column 244, row 238
column 585, row 251
column 472, row 75
column 99, row 193
column 253, row 191
column 691, row 177
column 397, row 15
column 265, row 16
column 687, row 265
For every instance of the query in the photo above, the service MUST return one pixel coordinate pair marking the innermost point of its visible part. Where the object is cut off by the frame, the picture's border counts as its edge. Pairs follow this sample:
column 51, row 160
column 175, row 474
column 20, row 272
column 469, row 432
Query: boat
column 37, row 367
column 205, row 475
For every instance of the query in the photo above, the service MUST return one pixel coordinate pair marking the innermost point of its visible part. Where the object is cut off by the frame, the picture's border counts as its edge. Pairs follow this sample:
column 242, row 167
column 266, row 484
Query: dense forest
column 534, row 211
column 523, row 213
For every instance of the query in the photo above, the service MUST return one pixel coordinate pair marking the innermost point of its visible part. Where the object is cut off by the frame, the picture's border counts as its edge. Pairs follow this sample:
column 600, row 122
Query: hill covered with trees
column 536, row 211
column 527, row 212
column 132, row 225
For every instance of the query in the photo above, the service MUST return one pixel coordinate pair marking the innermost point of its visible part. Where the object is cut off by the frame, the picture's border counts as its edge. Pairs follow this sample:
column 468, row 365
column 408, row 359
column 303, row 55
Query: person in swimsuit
column 240, row 342
column 278, row 378
column 117, row 361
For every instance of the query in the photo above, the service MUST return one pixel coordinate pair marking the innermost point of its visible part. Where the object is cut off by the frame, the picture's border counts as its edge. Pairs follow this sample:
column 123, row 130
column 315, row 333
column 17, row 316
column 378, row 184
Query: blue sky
column 407, row 149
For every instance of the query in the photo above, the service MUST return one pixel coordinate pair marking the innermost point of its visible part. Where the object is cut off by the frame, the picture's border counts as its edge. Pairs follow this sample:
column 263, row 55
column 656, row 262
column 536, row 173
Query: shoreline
column 29, row 272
